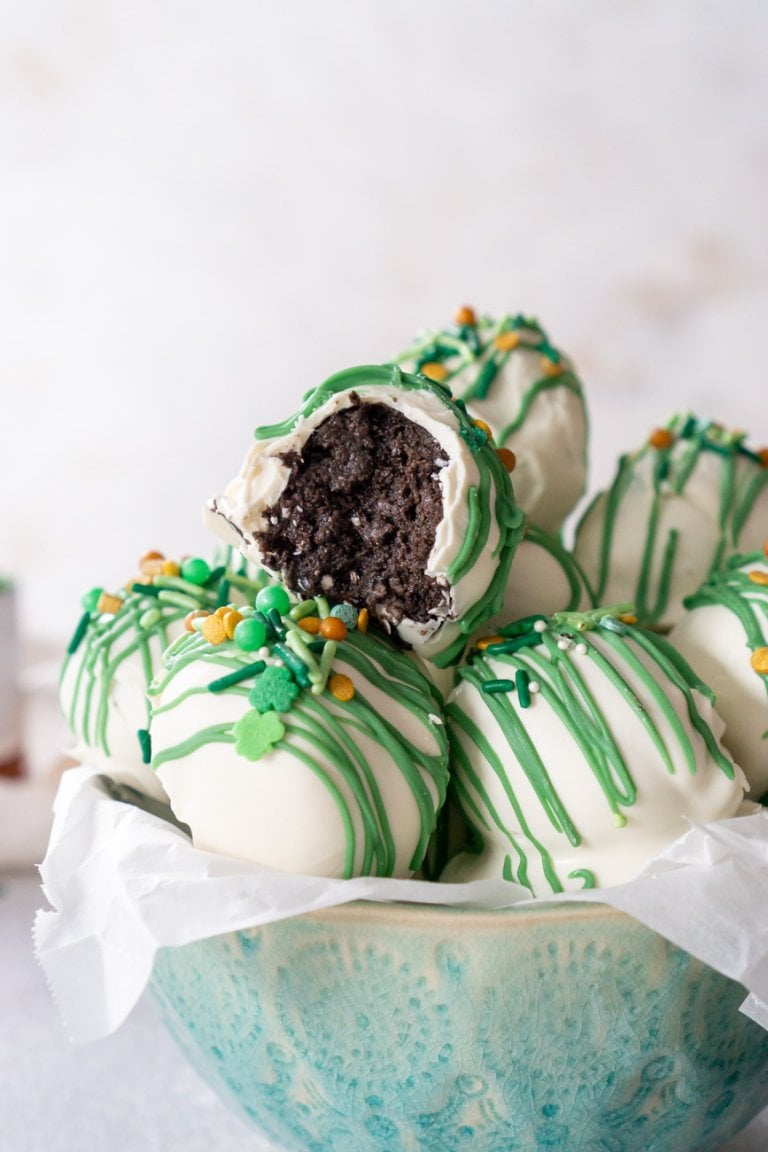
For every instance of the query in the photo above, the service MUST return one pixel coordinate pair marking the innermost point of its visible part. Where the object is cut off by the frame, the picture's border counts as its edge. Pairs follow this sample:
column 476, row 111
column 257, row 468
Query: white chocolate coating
column 523, row 774
column 652, row 539
column 297, row 807
column 713, row 639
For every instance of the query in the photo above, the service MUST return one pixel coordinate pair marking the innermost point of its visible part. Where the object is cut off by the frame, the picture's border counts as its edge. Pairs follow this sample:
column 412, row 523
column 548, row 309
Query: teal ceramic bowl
column 381, row 1028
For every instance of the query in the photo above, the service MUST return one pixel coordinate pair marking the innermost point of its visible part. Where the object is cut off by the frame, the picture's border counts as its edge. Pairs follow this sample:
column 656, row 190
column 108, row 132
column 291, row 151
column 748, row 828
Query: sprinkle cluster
column 293, row 645
column 528, row 632
column 710, row 434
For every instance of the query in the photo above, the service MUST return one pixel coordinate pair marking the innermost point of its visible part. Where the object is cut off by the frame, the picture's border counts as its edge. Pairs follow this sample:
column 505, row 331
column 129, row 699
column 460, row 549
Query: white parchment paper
column 123, row 882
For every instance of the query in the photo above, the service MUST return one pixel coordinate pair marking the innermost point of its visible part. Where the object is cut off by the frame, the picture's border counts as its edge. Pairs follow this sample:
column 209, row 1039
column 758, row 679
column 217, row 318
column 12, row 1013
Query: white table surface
column 133, row 1092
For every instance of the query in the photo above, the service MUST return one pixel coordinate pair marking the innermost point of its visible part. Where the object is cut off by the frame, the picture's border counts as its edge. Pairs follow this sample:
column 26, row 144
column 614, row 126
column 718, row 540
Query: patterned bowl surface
column 381, row 1028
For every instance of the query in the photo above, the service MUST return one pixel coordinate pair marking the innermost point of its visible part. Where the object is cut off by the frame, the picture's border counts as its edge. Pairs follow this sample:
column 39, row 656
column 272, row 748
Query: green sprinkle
column 294, row 663
column 524, row 624
column 275, row 690
column 243, row 673
column 306, row 608
column 149, row 618
column 276, row 621
column 485, row 378
column 146, row 589
column 90, row 600
column 216, row 575
column 223, row 595
column 514, row 644
column 196, row 570
column 145, row 743
column 273, row 596
column 79, row 633
column 255, row 733
column 347, row 614
column 494, row 686
column 523, row 691
column 250, row 634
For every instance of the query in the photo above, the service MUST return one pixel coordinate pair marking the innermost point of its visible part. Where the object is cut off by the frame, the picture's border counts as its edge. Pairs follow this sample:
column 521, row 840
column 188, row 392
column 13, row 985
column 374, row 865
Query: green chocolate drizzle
column 474, row 364
column 149, row 615
column 742, row 480
column 323, row 732
column 491, row 503
column 627, row 657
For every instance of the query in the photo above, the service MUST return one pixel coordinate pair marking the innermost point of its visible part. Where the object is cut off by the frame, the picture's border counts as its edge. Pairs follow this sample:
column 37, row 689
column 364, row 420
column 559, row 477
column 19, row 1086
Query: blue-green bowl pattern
column 386, row 1028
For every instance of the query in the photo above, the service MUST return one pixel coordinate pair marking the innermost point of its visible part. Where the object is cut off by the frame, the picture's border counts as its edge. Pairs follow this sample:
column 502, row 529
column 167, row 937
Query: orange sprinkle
column 628, row 618
column 434, row 371
column 661, row 438
column 333, row 629
column 465, row 317
column 222, row 610
column 507, row 457
column 487, row 641
column 765, row 549
column 362, row 621
column 108, row 603
column 481, row 424
column 763, row 455
column 171, row 568
column 310, row 624
column 196, row 614
column 148, row 556
column 758, row 577
column 551, row 367
column 213, row 629
column 231, row 620
column 760, row 661
column 506, row 341
column 341, row 687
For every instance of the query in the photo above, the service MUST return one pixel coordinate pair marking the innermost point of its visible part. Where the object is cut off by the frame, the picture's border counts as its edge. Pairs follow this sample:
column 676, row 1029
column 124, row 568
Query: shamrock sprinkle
column 275, row 688
column 255, row 733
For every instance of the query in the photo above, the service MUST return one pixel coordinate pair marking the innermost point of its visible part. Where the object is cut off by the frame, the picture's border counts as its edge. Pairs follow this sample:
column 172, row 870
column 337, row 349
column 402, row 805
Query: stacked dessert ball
column 397, row 633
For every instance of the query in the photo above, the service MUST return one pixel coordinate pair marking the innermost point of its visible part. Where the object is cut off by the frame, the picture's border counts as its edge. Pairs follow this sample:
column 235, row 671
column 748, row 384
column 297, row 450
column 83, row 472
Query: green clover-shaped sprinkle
column 256, row 733
column 275, row 688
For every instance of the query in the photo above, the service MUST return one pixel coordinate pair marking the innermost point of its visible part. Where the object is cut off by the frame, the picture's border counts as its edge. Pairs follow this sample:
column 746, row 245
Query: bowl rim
column 414, row 915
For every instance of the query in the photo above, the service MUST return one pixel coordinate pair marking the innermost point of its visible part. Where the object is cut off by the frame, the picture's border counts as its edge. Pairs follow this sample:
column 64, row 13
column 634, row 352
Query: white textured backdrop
column 206, row 207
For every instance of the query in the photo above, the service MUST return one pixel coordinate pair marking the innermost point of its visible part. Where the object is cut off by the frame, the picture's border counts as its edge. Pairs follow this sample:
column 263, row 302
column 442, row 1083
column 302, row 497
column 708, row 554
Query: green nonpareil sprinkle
column 235, row 677
column 523, row 690
column 514, row 644
column 79, row 633
column 145, row 743
column 494, row 686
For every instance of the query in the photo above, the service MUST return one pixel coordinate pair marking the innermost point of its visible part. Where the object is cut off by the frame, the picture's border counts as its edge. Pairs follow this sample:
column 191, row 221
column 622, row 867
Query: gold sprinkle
column 487, row 641
column 506, row 341
column 310, row 624
column 109, row 604
column 465, row 317
column 551, row 367
column 213, row 630
column 341, row 687
column 661, row 438
column 507, row 457
column 758, row 577
column 759, row 661
column 171, row 568
column 196, row 614
column 231, row 620
column 362, row 620
column 763, row 456
column 434, row 371
column 628, row 618
column 481, row 424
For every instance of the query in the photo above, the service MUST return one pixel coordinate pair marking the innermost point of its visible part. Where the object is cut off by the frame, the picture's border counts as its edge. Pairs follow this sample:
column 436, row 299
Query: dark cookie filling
column 357, row 519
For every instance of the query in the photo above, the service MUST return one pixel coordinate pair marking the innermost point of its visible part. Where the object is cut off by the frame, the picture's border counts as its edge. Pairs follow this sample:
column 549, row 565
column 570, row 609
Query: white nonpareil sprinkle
column 534, row 686
column 563, row 644
column 540, row 626
column 581, row 648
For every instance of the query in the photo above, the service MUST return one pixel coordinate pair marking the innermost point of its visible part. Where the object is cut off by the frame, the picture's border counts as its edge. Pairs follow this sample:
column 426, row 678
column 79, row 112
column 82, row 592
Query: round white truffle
column 676, row 508
column 508, row 374
column 304, row 754
column 724, row 636
column 579, row 749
